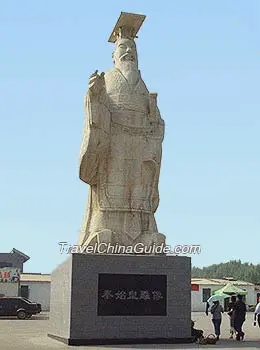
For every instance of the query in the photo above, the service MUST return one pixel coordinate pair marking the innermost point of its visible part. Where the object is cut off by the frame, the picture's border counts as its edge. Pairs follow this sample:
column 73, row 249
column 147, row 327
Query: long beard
column 130, row 71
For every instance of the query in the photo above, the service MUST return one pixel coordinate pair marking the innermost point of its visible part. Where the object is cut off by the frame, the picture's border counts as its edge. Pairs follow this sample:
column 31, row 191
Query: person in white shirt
column 257, row 314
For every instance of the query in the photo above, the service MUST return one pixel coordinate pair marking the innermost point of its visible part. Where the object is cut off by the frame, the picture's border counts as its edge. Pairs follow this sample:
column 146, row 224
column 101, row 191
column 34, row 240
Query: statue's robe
column 120, row 159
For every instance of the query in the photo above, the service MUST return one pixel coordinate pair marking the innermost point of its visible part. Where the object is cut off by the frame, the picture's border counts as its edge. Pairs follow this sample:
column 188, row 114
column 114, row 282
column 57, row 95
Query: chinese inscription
column 129, row 294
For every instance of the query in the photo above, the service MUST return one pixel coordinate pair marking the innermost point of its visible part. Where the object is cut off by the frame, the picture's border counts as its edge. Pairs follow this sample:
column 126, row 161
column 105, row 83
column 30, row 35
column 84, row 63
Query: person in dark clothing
column 207, row 308
column 196, row 334
column 231, row 315
column 239, row 317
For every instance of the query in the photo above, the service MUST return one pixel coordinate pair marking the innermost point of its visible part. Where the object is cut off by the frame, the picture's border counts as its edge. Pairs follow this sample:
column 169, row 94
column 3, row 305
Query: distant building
column 36, row 287
column 11, row 266
column 14, row 259
column 203, row 288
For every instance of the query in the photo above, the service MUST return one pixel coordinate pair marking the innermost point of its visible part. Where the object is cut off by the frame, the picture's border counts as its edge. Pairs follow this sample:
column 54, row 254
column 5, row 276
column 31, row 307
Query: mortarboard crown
column 127, row 26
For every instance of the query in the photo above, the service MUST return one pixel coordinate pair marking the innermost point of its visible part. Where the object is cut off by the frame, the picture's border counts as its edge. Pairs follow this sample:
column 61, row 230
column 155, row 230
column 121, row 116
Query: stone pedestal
column 121, row 299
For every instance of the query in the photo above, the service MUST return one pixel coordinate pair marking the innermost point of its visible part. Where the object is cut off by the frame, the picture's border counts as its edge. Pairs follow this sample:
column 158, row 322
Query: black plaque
column 132, row 295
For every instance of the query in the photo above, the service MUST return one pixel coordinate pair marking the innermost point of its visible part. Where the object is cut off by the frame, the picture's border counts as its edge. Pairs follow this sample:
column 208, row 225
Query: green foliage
column 234, row 268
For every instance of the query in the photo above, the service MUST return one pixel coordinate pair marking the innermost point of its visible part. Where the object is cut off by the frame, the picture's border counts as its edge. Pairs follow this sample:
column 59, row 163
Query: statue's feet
column 155, row 238
column 98, row 237
column 151, row 243
column 146, row 243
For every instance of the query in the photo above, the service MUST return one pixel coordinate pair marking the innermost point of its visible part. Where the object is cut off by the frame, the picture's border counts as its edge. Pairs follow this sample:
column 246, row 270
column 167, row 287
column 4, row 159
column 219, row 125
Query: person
column 231, row 315
column 239, row 317
column 121, row 150
column 216, row 311
column 257, row 314
column 196, row 334
column 207, row 308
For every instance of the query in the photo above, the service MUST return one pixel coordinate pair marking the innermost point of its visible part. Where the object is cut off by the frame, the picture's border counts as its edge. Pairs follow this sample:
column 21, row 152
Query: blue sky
column 201, row 57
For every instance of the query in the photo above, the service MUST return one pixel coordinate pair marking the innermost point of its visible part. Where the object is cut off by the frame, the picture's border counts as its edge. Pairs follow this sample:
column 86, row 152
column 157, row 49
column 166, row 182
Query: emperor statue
column 121, row 150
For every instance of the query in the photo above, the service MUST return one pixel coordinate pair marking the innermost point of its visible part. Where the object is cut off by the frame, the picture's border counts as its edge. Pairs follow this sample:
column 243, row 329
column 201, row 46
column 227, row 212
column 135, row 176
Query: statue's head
column 123, row 36
column 125, row 51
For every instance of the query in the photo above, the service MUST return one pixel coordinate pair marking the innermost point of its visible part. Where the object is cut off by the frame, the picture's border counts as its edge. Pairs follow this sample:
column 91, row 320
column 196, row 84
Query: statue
column 121, row 150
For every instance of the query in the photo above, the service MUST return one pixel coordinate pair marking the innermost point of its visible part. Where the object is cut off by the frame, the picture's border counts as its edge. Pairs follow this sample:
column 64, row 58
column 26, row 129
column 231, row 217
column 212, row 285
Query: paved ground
column 31, row 334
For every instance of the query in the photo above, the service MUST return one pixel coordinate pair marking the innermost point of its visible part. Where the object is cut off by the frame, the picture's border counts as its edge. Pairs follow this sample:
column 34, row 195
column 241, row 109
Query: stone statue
column 121, row 150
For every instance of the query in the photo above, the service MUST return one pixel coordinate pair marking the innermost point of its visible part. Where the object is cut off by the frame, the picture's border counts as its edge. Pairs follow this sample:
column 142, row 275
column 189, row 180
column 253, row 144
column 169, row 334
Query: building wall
column 250, row 297
column 197, row 303
column 196, row 296
column 9, row 289
column 39, row 292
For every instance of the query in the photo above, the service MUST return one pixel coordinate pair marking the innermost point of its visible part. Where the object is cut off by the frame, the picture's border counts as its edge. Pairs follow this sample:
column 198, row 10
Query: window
column 2, row 303
column 5, row 264
column 12, row 303
column 206, row 293
column 27, row 300
column 24, row 292
column 23, row 303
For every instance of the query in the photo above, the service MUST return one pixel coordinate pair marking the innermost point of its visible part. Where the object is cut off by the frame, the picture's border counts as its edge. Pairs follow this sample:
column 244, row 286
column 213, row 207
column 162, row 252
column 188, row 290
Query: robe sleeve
column 158, row 159
column 95, row 140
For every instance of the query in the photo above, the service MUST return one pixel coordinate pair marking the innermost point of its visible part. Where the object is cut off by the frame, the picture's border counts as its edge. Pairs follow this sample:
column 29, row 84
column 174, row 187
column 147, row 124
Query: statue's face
column 125, row 51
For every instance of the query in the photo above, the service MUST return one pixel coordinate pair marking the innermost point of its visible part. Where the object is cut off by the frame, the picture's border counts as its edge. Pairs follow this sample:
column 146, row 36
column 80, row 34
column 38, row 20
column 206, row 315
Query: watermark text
column 138, row 248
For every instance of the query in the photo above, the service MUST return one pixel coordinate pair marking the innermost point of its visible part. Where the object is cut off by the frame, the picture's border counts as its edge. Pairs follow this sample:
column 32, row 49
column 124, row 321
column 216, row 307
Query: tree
column 233, row 268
